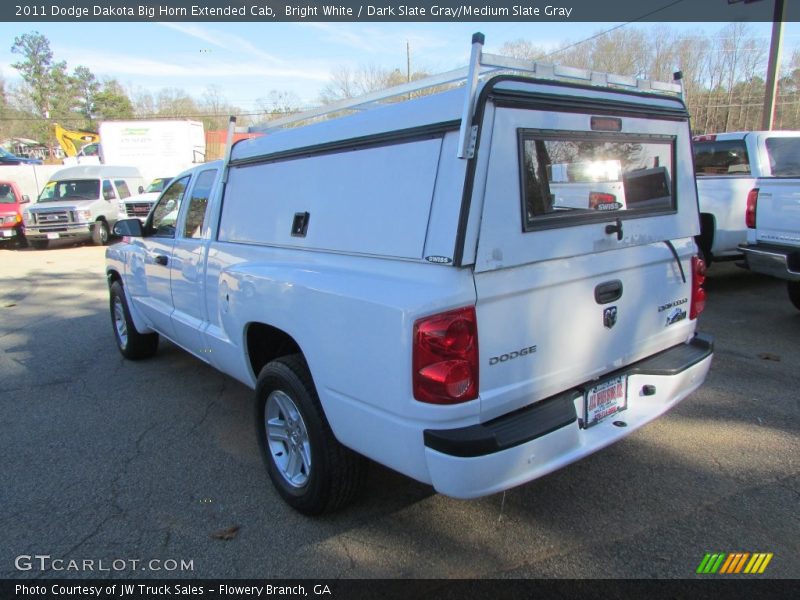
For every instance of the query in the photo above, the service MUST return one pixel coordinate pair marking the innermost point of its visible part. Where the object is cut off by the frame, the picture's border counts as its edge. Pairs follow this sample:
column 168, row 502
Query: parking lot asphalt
column 150, row 462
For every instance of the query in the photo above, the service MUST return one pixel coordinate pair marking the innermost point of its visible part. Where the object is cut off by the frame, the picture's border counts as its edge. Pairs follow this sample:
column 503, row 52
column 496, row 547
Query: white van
column 81, row 202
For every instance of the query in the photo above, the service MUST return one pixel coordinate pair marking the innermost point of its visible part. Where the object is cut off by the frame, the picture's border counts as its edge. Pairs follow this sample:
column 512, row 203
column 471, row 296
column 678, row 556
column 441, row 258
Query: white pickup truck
column 772, row 216
column 729, row 167
column 398, row 284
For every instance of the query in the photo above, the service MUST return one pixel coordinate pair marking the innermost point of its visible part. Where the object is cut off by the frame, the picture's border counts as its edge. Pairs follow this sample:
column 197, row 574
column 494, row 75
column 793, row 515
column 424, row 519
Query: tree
column 523, row 50
column 35, row 68
column 144, row 105
column 346, row 83
column 174, row 102
column 215, row 109
column 86, row 88
column 111, row 102
column 277, row 103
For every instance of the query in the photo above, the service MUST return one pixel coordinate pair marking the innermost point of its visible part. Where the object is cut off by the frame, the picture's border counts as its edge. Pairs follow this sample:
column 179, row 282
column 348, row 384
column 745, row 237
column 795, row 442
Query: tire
column 40, row 244
column 132, row 344
column 705, row 254
column 793, row 287
column 100, row 233
column 311, row 470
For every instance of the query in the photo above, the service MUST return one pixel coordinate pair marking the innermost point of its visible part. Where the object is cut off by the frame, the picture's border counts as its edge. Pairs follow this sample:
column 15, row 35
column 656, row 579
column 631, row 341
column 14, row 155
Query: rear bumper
column 490, row 457
column 776, row 261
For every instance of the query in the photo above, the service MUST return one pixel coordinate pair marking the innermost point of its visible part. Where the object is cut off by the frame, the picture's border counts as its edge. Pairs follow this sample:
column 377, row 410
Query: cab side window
column 196, row 212
column 122, row 188
column 165, row 214
column 108, row 190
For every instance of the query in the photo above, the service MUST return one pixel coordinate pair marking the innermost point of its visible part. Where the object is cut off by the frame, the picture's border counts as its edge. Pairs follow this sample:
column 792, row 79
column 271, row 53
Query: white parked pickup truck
column 772, row 216
column 729, row 166
column 398, row 284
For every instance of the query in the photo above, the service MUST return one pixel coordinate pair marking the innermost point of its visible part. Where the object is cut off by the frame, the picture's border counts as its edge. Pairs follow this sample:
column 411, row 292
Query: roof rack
column 480, row 64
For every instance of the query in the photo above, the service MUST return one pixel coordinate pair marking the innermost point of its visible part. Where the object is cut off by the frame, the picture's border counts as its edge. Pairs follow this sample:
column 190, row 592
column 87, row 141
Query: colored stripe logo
column 723, row 563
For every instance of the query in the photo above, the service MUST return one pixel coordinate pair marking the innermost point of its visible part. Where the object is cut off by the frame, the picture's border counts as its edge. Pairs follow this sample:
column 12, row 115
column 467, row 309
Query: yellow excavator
column 72, row 141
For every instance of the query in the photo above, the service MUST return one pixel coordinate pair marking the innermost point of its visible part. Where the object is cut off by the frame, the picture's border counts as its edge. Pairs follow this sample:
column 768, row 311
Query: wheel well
column 113, row 276
column 266, row 343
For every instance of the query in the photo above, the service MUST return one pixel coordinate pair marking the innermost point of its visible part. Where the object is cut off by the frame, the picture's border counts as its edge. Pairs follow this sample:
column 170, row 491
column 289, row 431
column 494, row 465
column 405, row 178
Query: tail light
column 445, row 357
column 598, row 199
column 698, row 293
column 750, row 211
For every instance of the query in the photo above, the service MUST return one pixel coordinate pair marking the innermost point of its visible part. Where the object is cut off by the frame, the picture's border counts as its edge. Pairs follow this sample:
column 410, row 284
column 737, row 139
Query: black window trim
column 149, row 224
column 569, row 219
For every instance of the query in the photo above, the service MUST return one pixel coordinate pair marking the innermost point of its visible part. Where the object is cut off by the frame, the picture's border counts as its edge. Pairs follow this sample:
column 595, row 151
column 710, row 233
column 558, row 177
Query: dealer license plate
column 605, row 399
column 53, row 236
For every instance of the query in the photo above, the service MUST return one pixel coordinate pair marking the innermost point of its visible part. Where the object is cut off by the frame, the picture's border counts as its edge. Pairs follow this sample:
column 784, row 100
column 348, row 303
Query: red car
column 11, row 201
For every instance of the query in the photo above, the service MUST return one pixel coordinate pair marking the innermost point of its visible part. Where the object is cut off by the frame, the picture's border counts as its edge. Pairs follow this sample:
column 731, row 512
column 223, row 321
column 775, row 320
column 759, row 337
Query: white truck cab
column 80, row 202
column 401, row 285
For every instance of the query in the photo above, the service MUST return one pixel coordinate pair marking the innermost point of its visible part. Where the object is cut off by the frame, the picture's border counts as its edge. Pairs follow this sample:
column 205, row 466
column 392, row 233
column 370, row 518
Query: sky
column 247, row 60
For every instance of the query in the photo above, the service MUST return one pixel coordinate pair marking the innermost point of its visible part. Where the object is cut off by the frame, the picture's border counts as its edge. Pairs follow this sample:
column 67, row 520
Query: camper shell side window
column 570, row 178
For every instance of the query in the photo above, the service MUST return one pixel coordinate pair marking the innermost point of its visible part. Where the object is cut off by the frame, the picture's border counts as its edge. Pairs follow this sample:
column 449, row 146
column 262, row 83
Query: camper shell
column 81, row 202
column 401, row 284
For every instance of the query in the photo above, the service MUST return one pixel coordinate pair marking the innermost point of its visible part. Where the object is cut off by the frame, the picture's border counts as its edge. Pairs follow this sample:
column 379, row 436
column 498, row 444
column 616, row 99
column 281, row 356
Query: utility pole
column 408, row 65
column 408, row 61
column 768, row 115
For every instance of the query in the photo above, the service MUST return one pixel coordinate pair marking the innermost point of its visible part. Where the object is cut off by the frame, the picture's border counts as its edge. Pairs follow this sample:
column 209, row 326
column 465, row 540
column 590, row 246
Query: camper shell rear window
column 568, row 178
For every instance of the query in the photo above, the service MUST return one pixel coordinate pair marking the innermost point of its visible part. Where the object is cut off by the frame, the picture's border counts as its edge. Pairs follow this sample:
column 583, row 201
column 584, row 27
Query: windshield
column 7, row 194
column 158, row 184
column 5, row 154
column 77, row 189
column 784, row 156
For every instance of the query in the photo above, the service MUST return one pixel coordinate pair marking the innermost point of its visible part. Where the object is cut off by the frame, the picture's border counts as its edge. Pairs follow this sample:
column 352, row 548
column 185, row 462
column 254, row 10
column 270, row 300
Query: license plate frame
column 604, row 399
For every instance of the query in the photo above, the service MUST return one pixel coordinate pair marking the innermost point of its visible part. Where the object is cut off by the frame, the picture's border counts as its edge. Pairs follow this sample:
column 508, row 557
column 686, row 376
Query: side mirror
column 128, row 228
column 25, row 199
column 141, row 189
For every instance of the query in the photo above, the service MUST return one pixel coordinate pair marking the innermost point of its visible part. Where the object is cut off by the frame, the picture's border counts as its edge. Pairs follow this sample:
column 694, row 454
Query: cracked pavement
column 106, row 459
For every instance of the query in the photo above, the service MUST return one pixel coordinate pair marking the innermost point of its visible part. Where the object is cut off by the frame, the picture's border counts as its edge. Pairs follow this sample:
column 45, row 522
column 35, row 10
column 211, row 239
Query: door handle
column 161, row 260
column 610, row 291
